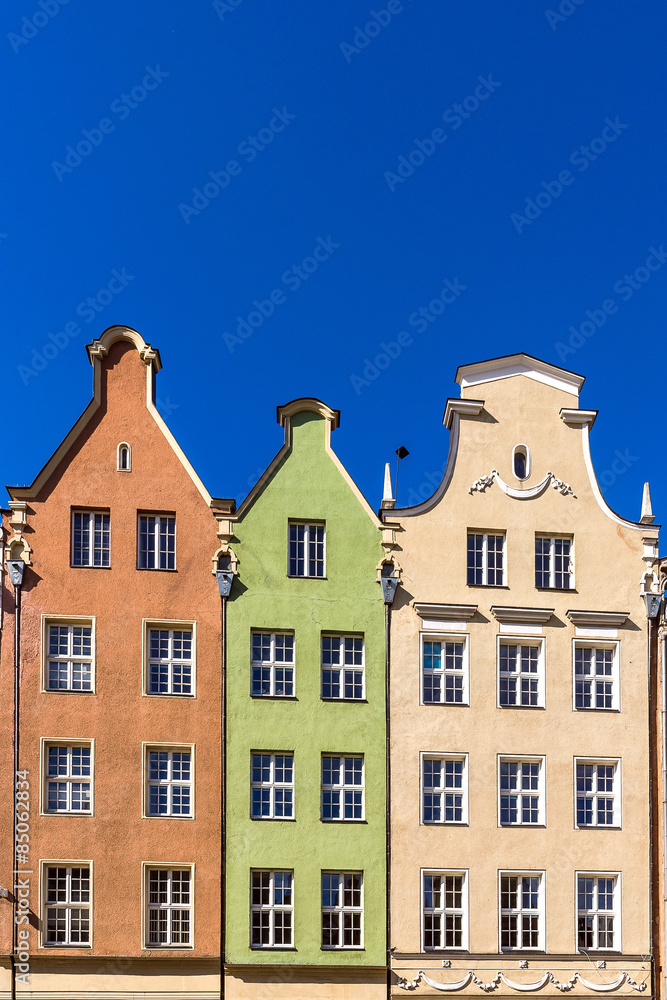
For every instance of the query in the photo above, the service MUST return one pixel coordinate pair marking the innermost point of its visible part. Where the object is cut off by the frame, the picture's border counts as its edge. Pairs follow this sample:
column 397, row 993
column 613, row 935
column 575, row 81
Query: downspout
column 389, row 584
column 17, row 688
column 663, row 761
column 653, row 602
column 223, row 795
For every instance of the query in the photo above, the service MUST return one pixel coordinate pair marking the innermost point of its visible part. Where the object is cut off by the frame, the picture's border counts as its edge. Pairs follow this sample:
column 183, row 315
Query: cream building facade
column 520, row 714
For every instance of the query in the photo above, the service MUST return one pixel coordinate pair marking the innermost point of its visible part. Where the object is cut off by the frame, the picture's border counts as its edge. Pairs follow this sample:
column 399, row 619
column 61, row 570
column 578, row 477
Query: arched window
column 124, row 457
column 521, row 461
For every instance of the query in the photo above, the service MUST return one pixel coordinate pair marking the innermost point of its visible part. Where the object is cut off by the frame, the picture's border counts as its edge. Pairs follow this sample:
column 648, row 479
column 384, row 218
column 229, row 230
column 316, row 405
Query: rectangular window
column 342, row 909
column 342, row 666
column 521, row 792
column 169, row 919
column 69, row 778
column 170, row 783
column 444, row 789
column 90, row 538
column 486, row 559
column 271, row 909
column 445, row 905
column 342, row 788
column 598, row 799
column 272, row 786
column 598, row 913
column 170, row 659
column 67, row 909
column 445, row 670
column 553, row 563
column 306, row 550
column 69, row 656
column 156, row 541
column 521, row 674
column 521, row 911
column 272, row 665
column 596, row 683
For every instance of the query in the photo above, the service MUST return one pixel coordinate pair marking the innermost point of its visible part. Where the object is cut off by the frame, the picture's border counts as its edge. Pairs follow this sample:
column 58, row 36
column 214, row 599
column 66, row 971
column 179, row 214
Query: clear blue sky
column 304, row 114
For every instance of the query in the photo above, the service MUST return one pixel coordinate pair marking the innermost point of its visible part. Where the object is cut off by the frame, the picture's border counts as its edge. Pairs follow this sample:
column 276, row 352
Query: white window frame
column 342, row 787
column 552, row 539
column 506, row 639
column 615, row 913
column 539, row 912
column 341, row 911
column 69, row 779
column 272, row 908
column 169, row 748
column 146, row 868
column 90, row 531
column 616, row 793
column 614, row 678
column 444, row 911
column 44, row 866
column 540, row 793
column 485, row 557
column 170, row 625
column 159, row 518
column 273, row 664
column 71, row 621
column 444, row 758
column 308, row 526
column 119, row 468
column 464, row 672
column 342, row 667
column 272, row 785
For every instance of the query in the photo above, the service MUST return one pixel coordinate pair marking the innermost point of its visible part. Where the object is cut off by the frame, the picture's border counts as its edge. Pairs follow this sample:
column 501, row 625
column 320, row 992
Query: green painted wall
column 306, row 485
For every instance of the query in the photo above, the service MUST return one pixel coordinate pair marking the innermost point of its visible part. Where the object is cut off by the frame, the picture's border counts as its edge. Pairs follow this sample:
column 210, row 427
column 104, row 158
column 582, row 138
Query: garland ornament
column 550, row 479
column 500, row 977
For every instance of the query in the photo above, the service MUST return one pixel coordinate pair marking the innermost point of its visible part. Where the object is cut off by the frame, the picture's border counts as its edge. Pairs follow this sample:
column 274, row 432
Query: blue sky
column 347, row 159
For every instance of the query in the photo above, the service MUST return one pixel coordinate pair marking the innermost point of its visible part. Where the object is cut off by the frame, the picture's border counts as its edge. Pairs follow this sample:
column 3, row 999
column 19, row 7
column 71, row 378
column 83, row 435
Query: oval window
column 521, row 462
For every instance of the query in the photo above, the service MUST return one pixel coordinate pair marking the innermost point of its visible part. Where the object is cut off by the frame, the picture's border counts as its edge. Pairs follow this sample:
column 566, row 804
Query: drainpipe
column 16, row 567
column 225, row 579
column 653, row 602
column 663, row 755
column 389, row 585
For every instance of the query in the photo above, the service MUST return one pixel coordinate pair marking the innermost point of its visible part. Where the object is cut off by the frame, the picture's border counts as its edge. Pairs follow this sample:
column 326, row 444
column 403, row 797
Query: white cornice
column 519, row 364
column 521, row 616
column 446, row 612
column 464, row 407
column 600, row 619
column 578, row 418
column 310, row 405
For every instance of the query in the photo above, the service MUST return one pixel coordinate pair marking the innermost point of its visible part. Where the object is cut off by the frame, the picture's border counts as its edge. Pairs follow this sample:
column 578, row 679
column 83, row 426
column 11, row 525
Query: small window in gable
column 124, row 457
column 521, row 461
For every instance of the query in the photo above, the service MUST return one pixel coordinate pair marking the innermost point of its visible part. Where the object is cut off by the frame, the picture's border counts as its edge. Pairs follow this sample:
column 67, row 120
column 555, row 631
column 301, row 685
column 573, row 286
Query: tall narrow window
column 521, row 674
column 272, row 665
column 169, row 783
column 272, row 786
column 67, row 913
column 521, row 911
column 445, row 670
column 68, row 779
column 521, row 462
column 91, row 538
column 342, row 910
column 486, row 559
column 444, row 790
column 445, row 910
column 169, row 908
column 170, row 660
column 306, row 549
column 598, row 913
column 342, row 788
column 271, row 909
column 69, row 659
column 342, row 666
column 157, row 541
column 124, row 458
column 554, row 567
column 597, row 793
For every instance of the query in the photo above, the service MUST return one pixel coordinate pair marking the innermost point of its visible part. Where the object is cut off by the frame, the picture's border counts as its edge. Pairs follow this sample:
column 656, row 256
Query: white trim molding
column 545, row 980
column 550, row 479
column 598, row 619
column 521, row 616
column 519, row 364
column 445, row 612
column 462, row 407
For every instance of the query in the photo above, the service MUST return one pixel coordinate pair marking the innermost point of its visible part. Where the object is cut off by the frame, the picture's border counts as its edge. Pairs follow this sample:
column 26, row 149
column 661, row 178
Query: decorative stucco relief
column 550, row 479
column 539, row 984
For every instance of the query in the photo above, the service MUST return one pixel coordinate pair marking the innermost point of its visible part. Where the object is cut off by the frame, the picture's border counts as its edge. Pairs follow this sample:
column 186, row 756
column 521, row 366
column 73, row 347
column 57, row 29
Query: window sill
column 522, row 708
column 290, row 577
column 272, row 947
column 490, row 586
column 157, row 816
column 344, row 822
column 154, row 694
column 71, row 691
column 348, row 701
column 446, row 704
column 72, row 566
column 273, row 819
column 155, row 569
column 430, row 823
column 274, row 697
column 348, row 947
column 559, row 590
column 602, row 710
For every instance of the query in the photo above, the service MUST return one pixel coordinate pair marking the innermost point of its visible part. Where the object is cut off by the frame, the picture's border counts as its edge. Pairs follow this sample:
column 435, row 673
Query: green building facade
column 306, row 828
